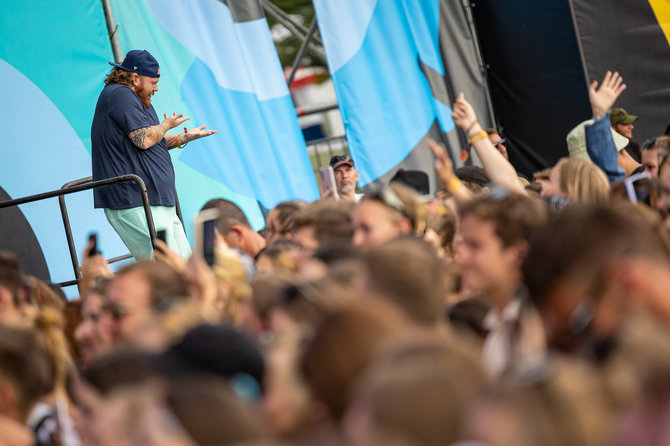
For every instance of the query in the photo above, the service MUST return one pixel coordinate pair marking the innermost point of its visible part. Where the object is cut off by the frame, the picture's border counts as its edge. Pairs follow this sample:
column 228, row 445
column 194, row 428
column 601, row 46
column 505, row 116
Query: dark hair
column 286, row 212
column 11, row 276
column 331, row 220
column 120, row 367
column 515, row 217
column 408, row 273
column 165, row 283
column 229, row 214
column 342, row 347
column 27, row 366
column 580, row 242
column 211, row 412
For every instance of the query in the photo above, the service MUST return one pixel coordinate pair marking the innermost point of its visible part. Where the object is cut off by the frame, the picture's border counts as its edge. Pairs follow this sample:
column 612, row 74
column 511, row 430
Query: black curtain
column 17, row 237
column 536, row 77
column 625, row 36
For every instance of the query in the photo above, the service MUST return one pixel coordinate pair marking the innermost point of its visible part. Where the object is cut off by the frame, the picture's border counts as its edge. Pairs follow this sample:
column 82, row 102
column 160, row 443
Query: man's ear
column 234, row 236
column 521, row 248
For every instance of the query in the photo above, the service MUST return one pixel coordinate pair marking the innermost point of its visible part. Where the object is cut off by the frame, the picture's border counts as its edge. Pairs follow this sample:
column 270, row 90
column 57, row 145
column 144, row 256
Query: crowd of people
column 501, row 311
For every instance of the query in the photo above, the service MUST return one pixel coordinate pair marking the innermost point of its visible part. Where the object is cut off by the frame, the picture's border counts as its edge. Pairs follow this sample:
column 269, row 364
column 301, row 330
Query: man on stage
column 127, row 138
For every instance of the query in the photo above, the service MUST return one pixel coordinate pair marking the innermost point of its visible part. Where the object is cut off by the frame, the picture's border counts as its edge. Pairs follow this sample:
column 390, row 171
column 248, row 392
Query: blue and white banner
column 220, row 67
column 386, row 59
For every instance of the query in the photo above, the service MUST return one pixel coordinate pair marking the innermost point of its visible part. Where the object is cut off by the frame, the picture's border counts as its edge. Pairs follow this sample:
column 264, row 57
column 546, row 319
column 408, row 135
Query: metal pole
column 467, row 7
column 282, row 17
column 315, row 110
column 111, row 30
column 315, row 50
column 301, row 53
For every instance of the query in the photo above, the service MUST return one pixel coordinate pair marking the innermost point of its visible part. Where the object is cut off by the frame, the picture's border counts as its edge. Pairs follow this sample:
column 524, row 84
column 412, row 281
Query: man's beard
column 349, row 188
column 146, row 101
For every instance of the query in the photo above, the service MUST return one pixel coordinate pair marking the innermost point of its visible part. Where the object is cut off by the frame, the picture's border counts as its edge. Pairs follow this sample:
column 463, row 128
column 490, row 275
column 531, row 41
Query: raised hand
column 197, row 133
column 463, row 114
column 603, row 98
column 443, row 165
column 174, row 120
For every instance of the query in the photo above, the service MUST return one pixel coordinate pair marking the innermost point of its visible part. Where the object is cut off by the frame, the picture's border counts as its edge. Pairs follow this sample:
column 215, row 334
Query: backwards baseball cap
column 619, row 116
column 140, row 62
column 338, row 160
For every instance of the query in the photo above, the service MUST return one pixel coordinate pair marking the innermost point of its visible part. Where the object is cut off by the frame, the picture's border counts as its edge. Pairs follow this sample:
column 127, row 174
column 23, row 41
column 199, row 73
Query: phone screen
column 93, row 237
column 328, row 180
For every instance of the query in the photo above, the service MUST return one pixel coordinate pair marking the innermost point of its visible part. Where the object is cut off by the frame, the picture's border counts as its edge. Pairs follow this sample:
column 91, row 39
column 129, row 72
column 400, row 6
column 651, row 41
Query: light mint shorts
column 131, row 225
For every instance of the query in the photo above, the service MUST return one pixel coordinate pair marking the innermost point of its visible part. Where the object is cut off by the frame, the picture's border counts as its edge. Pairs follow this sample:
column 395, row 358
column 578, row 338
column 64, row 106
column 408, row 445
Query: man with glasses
column 497, row 141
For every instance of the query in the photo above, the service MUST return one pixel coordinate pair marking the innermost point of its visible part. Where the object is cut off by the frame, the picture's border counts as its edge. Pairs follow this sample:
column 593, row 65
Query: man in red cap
column 127, row 138
column 346, row 177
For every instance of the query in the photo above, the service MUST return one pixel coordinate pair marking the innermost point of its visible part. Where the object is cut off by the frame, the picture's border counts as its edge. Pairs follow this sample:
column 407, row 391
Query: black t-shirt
column 634, row 151
column 118, row 112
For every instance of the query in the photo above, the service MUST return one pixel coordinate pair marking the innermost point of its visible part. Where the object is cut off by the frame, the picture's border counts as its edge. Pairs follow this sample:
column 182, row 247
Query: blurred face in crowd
column 129, row 300
column 553, row 185
column 650, row 161
column 375, row 223
column 95, row 332
column 624, row 130
column 136, row 415
column 346, row 178
column 272, row 227
column 306, row 245
column 286, row 400
column 10, row 312
column 485, row 263
column 663, row 203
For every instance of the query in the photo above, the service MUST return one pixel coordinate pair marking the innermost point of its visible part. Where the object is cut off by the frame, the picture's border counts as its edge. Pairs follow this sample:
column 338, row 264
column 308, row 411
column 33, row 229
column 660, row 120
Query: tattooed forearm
column 148, row 136
column 138, row 136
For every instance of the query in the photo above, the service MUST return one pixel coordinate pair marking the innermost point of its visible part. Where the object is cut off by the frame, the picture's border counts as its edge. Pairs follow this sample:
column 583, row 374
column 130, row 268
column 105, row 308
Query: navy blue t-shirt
column 120, row 111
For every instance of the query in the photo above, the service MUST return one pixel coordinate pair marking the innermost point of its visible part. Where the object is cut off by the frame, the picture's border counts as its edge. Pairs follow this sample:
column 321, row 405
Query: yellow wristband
column 478, row 136
column 454, row 183
column 177, row 141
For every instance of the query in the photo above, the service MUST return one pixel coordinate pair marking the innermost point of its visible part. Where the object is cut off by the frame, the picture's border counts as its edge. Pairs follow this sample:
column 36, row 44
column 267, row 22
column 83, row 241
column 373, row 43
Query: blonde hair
column 583, row 181
column 230, row 272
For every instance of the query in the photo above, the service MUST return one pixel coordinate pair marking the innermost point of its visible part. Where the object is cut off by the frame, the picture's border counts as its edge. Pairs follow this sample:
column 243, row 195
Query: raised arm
column 150, row 136
column 498, row 169
column 599, row 142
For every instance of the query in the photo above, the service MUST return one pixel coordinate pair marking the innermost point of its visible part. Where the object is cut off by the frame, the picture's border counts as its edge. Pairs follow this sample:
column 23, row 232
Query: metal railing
column 78, row 186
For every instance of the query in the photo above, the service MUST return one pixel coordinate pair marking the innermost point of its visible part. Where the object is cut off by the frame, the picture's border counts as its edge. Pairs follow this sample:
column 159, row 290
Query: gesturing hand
column 174, row 120
column 443, row 165
column 603, row 98
column 197, row 133
column 463, row 114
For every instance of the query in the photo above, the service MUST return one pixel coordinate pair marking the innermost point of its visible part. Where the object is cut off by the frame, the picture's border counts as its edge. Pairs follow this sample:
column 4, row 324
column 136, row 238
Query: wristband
column 467, row 131
column 177, row 141
column 453, row 184
column 478, row 136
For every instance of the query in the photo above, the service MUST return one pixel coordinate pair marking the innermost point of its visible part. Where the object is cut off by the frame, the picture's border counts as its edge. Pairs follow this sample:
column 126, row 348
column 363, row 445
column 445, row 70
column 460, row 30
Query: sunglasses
column 501, row 142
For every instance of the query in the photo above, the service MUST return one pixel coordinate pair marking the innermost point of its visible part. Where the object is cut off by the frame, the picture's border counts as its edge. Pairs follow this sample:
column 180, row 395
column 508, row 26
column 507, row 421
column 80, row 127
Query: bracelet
column 467, row 131
column 177, row 141
column 478, row 136
column 453, row 184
